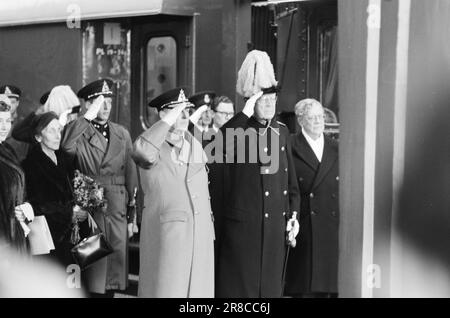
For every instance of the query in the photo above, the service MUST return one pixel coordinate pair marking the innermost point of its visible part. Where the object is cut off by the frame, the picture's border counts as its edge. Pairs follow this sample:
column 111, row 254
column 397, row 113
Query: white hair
column 303, row 107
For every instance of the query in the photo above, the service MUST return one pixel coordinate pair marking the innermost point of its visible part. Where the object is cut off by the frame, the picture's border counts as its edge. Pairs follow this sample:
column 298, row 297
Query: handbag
column 92, row 248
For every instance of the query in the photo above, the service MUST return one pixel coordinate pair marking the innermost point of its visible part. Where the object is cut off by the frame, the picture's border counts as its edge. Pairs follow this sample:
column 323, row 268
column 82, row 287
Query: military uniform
column 177, row 234
column 20, row 148
column 104, row 153
column 252, row 246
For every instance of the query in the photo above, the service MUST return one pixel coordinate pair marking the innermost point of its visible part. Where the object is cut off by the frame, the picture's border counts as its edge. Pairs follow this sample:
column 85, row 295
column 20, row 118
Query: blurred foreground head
column 25, row 277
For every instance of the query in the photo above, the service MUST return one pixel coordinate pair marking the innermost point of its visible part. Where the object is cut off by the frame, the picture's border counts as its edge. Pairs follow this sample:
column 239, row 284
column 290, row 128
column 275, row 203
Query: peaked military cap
column 99, row 87
column 11, row 91
column 170, row 99
column 203, row 98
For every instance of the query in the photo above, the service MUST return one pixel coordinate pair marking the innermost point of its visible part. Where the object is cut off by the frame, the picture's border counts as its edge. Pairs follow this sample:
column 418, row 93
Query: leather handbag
column 92, row 248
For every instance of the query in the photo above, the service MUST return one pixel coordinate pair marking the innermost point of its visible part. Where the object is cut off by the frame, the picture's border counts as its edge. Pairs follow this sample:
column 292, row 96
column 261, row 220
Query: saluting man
column 262, row 193
column 177, row 235
column 102, row 150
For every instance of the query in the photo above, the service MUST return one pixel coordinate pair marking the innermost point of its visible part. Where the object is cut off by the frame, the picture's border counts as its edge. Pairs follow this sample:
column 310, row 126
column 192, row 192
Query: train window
column 161, row 72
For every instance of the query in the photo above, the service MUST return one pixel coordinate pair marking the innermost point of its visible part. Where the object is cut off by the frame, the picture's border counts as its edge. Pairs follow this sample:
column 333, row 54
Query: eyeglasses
column 316, row 117
column 227, row 114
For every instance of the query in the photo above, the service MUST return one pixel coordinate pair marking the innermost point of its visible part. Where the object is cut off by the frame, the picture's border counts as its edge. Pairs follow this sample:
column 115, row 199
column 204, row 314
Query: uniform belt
column 109, row 180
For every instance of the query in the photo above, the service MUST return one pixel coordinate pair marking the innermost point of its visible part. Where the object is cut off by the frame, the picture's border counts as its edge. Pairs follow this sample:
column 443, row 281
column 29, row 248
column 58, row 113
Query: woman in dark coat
column 12, row 185
column 49, row 173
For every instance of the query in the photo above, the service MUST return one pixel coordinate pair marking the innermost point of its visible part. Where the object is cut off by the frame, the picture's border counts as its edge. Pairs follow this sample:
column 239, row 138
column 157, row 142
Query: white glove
column 93, row 110
column 249, row 107
column 23, row 212
column 172, row 116
column 292, row 228
column 130, row 230
column 63, row 117
column 194, row 118
column 80, row 214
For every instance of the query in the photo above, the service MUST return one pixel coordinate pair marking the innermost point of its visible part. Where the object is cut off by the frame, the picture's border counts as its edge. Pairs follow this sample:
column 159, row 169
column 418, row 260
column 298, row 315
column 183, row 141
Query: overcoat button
column 266, row 215
column 337, row 178
column 267, row 193
column 282, row 148
column 311, row 195
column 285, row 192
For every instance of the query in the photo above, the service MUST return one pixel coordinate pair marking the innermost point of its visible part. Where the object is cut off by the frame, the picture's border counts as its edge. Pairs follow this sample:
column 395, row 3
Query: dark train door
column 161, row 59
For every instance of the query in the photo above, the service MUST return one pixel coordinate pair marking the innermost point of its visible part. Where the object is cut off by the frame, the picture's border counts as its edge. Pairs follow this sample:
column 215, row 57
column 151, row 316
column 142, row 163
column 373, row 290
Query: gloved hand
column 292, row 229
column 130, row 230
column 80, row 214
column 249, row 107
column 93, row 110
column 63, row 117
column 20, row 216
column 197, row 114
column 172, row 115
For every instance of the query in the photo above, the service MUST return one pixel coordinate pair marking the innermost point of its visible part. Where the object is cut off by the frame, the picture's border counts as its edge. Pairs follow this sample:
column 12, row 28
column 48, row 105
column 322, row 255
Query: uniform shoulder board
column 281, row 124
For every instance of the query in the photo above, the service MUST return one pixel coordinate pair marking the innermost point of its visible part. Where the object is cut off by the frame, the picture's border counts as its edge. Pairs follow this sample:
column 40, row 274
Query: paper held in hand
column 40, row 239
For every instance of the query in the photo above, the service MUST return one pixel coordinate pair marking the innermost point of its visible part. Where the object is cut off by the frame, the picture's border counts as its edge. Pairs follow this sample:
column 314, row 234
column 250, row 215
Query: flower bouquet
column 89, row 196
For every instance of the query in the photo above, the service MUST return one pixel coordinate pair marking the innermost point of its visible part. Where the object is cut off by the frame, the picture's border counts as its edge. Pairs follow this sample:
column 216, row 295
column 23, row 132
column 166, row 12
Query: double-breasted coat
column 177, row 232
column 111, row 165
column 252, row 244
column 313, row 263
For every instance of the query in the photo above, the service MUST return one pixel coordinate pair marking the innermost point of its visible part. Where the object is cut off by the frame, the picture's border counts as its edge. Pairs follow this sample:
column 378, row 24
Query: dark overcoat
column 313, row 264
column 251, row 247
column 50, row 193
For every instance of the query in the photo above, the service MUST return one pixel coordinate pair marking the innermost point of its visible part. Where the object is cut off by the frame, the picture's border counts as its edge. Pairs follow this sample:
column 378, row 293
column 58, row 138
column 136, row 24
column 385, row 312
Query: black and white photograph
column 228, row 154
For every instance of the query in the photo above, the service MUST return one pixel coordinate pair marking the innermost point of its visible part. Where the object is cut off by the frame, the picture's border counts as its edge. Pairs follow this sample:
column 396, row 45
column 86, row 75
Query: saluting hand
column 198, row 113
column 249, row 107
column 94, row 108
column 172, row 115
column 63, row 117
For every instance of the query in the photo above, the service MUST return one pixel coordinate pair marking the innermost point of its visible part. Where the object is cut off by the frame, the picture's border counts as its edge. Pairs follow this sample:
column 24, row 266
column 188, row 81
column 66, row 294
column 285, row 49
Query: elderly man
column 263, row 192
column 312, row 267
column 177, row 234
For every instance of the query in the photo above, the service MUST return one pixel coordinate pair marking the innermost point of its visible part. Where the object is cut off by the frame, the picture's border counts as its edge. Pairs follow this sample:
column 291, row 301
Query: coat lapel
column 115, row 143
column 302, row 149
column 95, row 139
column 328, row 158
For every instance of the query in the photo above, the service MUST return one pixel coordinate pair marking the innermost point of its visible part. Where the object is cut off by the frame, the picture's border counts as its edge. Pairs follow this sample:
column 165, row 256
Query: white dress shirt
column 316, row 145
